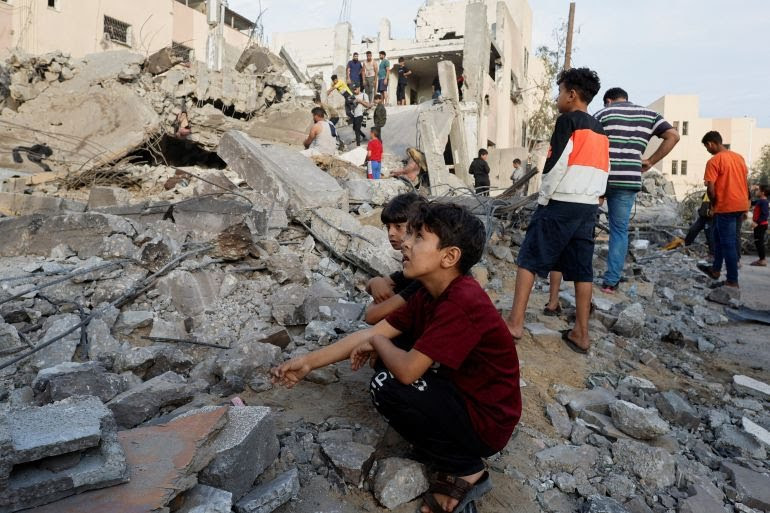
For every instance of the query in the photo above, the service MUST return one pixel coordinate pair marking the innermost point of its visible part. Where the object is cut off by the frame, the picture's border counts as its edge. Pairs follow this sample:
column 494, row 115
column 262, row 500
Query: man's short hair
column 401, row 59
column 376, row 131
column 583, row 80
column 397, row 209
column 378, row 96
column 318, row 111
column 712, row 136
column 517, row 161
column 454, row 226
column 382, row 52
column 614, row 94
column 355, row 53
column 356, row 86
column 368, row 52
column 482, row 152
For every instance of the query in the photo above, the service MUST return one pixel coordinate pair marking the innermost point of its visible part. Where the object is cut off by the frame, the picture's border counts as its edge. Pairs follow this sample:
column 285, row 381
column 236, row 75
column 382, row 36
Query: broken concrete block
column 398, row 481
column 162, row 460
column 750, row 386
column 190, row 292
column 601, row 504
column 733, row 442
column 287, row 303
column 561, row 422
column 151, row 361
column 567, row 458
column 276, row 336
column 162, row 61
column 631, row 321
column 100, row 197
column 65, row 471
column 756, row 430
column 641, row 423
column 351, row 459
column 753, row 488
column 129, row 320
column 269, row 496
column 101, row 343
column 678, row 410
column 245, row 447
column 281, row 173
column 597, row 399
column 74, row 378
column 546, row 337
column 701, row 501
column 62, row 350
column 141, row 403
column 205, row 499
column 375, row 192
column 249, row 360
column 655, row 467
column 9, row 337
column 13, row 204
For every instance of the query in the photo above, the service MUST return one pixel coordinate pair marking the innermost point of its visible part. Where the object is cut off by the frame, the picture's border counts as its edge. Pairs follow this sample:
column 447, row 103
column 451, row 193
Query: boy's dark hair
column 583, row 80
column 376, row 131
column 382, row 52
column 764, row 188
column 318, row 111
column 355, row 53
column 517, row 161
column 401, row 59
column 334, row 78
column 397, row 209
column 482, row 152
column 378, row 96
column 615, row 93
column 712, row 136
column 454, row 226
column 368, row 52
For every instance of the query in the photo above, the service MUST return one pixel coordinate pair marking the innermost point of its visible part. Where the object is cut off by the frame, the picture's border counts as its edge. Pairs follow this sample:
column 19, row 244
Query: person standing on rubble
column 403, row 81
column 560, row 236
column 727, row 186
column 358, row 113
column 516, row 173
column 480, row 171
column 370, row 74
column 629, row 128
column 353, row 71
column 321, row 139
column 761, row 213
column 383, row 73
column 380, row 114
column 346, row 93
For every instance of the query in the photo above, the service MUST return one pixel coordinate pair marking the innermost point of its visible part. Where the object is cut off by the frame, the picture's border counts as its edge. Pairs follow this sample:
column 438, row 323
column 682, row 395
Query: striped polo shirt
column 629, row 128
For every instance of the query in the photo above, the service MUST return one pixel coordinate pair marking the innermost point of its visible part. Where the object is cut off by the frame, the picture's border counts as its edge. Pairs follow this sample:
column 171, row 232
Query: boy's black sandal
column 572, row 345
column 457, row 488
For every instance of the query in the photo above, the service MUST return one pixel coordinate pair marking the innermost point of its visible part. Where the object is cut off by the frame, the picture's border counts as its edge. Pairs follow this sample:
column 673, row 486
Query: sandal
column 458, row 489
column 758, row 263
column 571, row 344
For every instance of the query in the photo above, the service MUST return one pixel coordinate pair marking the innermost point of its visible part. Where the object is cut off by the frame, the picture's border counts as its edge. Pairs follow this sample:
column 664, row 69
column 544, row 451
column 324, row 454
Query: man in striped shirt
column 629, row 127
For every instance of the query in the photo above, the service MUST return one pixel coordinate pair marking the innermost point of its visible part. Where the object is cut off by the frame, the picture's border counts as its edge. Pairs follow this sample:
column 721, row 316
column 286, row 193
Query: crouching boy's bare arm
column 293, row 371
column 406, row 366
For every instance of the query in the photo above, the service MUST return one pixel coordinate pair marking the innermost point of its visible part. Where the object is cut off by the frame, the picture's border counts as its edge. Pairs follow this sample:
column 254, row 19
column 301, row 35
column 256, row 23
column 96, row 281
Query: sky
column 711, row 48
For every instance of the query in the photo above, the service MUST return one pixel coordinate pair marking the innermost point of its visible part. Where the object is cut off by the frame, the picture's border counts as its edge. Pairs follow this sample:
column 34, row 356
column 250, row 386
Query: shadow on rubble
column 172, row 151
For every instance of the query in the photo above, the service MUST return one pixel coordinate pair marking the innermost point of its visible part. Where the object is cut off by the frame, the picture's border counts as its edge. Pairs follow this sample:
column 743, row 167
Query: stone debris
column 194, row 277
column 398, row 481
column 269, row 496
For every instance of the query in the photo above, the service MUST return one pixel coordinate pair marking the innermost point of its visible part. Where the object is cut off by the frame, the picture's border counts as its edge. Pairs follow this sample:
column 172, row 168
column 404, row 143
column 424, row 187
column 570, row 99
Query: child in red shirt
column 455, row 394
column 374, row 155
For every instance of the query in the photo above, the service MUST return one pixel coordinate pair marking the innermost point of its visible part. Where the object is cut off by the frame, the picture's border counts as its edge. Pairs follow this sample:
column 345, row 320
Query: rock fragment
column 398, row 481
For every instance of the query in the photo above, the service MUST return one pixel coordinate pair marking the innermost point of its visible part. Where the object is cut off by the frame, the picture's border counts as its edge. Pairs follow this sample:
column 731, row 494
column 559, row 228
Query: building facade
column 686, row 163
column 81, row 27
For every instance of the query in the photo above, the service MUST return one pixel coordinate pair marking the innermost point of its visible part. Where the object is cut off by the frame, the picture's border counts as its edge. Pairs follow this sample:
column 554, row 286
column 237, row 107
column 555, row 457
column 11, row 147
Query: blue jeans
column 725, row 246
column 619, row 205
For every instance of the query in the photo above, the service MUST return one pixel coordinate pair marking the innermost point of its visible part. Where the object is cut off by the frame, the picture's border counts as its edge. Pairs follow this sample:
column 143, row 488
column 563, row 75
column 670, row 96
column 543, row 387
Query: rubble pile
column 139, row 321
column 28, row 76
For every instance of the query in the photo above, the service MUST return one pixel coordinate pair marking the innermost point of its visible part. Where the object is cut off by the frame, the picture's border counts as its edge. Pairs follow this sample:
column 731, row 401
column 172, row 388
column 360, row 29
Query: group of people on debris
column 446, row 371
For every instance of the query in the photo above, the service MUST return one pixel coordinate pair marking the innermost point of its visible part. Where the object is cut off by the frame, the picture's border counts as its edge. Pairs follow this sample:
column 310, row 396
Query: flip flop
column 571, row 344
column 454, row 488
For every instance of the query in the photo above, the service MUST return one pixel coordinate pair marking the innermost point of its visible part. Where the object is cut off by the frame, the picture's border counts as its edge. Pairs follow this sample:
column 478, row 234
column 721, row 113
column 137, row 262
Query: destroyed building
column 490, row 45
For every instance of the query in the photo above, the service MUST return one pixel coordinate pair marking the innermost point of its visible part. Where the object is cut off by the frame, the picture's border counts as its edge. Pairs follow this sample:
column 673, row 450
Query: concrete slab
column 162, row 460
column 268, row 496
column 142, row 402
column 292, row 179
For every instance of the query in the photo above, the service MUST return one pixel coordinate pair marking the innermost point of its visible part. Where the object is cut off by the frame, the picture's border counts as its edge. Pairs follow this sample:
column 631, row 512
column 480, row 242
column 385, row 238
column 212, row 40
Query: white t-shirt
column 359, row 110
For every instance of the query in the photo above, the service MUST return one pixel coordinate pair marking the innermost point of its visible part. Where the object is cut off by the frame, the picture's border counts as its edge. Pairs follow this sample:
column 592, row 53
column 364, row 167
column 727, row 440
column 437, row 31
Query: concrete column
column 383, row 36
column 343, row 38
column 476, row 50
column 447, row 76
column 461, row 153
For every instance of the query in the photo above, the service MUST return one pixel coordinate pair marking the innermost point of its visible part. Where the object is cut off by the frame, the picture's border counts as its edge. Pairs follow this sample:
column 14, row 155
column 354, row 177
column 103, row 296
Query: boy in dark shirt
column 403, row 81
column 560, row 236
column 380, row 114
column 479, row 169
column 455, row 394
column 761, row 212
column 392, row 292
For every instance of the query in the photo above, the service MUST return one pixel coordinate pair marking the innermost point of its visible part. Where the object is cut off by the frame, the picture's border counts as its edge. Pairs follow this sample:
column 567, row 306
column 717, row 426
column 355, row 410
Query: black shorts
column 401, row 92
column 560, row 237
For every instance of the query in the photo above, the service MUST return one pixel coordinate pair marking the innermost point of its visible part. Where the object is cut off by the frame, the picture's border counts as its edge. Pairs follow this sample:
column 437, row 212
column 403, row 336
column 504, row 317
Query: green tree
column 761, row 171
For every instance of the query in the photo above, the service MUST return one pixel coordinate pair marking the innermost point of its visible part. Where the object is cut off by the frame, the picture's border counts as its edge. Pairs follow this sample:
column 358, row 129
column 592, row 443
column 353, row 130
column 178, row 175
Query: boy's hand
column 290, row 373
column 363, row 353
column 380, row 289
